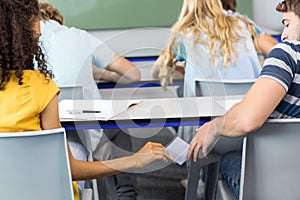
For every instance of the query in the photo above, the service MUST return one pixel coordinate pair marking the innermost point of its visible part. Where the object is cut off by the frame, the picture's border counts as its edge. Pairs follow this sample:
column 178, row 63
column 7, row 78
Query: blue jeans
column 231, row 171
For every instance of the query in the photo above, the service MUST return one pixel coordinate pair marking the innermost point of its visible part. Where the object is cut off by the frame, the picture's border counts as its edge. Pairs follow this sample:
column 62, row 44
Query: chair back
column 35, row 165
column 218, row 87
column 70, row 92
column 271, row 161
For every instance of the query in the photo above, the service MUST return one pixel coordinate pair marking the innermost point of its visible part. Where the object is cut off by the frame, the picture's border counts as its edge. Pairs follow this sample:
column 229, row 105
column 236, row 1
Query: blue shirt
column 199, row 65
column 70, row 54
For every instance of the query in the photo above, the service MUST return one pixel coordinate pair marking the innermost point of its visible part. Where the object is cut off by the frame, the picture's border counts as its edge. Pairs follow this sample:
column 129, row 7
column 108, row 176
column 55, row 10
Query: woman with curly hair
column 29, row 96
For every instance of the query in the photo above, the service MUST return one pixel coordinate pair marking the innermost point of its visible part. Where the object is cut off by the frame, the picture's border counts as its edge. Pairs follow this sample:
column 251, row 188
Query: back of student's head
column 47, row 12
column 19, row 36
column 289, row 6
column 229, row 5
column 208, row 17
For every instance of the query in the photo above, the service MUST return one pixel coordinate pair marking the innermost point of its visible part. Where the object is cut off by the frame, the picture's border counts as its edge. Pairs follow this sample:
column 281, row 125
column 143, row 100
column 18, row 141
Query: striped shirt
column 283, row 66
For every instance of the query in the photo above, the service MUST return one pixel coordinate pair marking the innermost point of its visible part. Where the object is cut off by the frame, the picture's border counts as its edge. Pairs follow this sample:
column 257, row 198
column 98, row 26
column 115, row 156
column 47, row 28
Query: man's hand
column 205, row 139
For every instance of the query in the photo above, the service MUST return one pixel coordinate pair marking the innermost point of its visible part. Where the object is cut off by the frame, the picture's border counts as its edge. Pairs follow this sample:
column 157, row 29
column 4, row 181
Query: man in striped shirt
column 275, row 94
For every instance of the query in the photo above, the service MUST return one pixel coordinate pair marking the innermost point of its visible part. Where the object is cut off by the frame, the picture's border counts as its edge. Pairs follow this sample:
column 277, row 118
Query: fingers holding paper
column 150, row 152
column 203, row 142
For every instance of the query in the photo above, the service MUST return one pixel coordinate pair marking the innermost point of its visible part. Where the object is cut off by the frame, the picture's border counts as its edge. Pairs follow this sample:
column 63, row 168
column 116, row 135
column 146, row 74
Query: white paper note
column 178, row 150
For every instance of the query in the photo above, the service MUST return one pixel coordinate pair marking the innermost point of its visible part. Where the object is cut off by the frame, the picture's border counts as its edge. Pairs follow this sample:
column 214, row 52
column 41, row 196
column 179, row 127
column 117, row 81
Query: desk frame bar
column 142, row 123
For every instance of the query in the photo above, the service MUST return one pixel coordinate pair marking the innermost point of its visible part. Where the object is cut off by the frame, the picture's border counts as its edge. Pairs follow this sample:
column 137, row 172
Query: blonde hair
column 47, row 12
column 207, row 17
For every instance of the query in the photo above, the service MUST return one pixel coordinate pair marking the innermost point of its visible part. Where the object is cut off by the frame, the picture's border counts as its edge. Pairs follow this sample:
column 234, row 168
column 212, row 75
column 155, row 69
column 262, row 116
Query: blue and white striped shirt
column 283, row 66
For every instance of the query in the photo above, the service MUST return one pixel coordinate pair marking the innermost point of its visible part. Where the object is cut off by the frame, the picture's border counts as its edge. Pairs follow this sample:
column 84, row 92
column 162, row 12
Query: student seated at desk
column 77, row 58
column 213, row 44
column 265, row 41
column 29, row 97
column 275, row 94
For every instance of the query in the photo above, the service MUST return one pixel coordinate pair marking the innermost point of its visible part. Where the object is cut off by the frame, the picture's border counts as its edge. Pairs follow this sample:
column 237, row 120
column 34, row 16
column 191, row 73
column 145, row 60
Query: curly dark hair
column 19, row 41
column 289, row 6
column 47, row 12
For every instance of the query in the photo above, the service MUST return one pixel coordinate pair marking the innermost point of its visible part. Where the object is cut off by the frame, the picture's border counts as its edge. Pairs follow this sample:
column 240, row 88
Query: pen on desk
column 91, row 111
column 83, row 111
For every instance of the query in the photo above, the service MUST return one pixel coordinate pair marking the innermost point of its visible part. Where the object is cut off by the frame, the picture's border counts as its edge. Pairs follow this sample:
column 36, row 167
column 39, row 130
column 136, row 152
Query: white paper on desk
column 108, row 108
column 227, row 104
column 178, row 150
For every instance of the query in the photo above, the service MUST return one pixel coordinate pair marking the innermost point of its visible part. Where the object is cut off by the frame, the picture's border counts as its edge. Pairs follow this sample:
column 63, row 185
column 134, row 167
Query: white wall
column 137, row 42
column 266, row 16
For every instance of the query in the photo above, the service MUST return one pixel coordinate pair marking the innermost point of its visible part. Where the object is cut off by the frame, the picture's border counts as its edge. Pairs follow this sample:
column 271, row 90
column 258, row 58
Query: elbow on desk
column 137, row 76
column 134, row 74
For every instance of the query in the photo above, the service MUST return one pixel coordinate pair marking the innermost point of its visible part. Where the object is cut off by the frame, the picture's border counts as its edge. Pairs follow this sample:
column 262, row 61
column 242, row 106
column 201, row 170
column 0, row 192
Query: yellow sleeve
column 76, row 191
column 44, row 90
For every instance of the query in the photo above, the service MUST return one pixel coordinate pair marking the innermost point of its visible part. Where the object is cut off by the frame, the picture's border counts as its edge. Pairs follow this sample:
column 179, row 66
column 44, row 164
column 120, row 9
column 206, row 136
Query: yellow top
column 21, row 105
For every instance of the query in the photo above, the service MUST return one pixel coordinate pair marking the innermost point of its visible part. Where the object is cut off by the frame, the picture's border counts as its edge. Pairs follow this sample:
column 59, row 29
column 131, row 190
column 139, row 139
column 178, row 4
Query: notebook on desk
column 94, row 109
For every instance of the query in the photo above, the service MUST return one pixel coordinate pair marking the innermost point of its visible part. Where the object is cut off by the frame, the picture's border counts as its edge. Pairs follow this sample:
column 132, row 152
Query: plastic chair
column 35, row 165
column 70, row 92
column 215, row 87
column 76, row 92
column 270, row 164
column 218, row 87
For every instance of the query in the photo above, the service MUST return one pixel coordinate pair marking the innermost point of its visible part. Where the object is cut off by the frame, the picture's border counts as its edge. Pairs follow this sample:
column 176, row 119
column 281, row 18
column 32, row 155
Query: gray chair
column 219, row 87
column 138, row 93
column 76, row 92
column 70, row 92
column 270, row 164
column 35, row 165
column 215, row 87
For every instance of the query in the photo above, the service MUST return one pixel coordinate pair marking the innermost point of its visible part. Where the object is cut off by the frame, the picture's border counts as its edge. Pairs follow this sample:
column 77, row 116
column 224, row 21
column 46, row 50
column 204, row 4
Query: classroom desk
column 163, row 112
column 145, row 89
column 139, row 84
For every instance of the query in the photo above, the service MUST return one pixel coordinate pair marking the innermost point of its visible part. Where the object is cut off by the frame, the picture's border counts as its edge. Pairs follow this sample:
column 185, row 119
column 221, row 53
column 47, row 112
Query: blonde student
column 212, row 44
column 29, row 96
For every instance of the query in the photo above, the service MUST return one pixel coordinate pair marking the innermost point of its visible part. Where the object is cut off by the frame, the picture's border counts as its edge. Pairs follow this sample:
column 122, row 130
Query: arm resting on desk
column 120, row 70
column 266, row 43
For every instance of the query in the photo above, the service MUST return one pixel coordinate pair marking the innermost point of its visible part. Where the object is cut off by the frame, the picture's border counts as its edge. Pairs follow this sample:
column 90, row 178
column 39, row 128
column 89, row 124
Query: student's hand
column 150, row 152
column 205, row 139
column 166, row 76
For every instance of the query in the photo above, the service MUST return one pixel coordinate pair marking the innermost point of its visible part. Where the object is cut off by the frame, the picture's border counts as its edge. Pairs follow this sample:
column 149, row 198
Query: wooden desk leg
column 193, row 177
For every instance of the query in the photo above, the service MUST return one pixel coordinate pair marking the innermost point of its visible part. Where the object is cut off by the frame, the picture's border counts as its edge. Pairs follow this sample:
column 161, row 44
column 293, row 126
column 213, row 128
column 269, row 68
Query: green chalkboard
column 245, row 7
column 113, row 14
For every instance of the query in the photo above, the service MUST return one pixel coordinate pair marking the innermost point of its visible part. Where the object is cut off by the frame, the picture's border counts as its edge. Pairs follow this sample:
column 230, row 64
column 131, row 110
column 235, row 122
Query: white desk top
column 168, row 108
